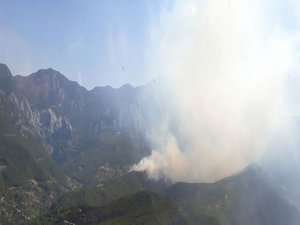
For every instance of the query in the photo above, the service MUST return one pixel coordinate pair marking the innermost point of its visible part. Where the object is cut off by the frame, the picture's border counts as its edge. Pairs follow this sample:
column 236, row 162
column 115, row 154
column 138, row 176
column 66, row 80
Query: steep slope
column 6, row 79
column 94, row 135
column 111, row 190
column 141, row 208
column 55, row 135
column 29, row 180
column 246, row 198
column 125, row 200
column 28, row 176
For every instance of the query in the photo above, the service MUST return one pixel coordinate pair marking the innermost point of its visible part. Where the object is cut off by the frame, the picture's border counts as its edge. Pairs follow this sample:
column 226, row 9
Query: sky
column 96, row 43
column 93, row 42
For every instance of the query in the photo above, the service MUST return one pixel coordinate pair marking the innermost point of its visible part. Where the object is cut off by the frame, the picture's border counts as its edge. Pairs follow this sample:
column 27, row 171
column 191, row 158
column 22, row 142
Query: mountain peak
column 5, row 72
column 126, row 86
column 6, row 78
column 48, row 71
column 46, row 75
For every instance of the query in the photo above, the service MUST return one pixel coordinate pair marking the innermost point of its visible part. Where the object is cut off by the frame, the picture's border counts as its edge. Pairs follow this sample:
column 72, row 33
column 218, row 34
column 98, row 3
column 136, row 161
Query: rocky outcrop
column 63, row 115
column 44, row 124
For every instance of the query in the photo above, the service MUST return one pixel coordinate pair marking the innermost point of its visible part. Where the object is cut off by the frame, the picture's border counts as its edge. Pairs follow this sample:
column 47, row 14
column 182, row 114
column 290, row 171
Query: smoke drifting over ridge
column 226, row 63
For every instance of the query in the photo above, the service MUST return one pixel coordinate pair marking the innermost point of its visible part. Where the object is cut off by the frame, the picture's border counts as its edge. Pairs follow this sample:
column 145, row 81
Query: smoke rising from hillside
column 227, row 64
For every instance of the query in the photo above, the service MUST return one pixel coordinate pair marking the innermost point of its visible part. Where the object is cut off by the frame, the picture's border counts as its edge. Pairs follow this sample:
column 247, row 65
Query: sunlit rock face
column 100, row 126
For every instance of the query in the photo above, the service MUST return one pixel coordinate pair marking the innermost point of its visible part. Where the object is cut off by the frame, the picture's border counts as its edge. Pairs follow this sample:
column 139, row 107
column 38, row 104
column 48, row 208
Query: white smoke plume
column 227, row 63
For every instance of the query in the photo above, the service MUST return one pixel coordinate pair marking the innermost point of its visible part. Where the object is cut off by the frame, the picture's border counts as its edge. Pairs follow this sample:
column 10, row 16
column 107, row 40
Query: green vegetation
column 29, row 180
column 115, row 149
column 141, row 208
column 66, row 152
column 114, row 189
column 245, row 198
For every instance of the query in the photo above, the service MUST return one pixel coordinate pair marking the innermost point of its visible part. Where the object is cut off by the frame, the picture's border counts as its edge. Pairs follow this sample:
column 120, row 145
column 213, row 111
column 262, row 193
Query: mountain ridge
column 67, row 152
column 238, row 199
column 67, row 123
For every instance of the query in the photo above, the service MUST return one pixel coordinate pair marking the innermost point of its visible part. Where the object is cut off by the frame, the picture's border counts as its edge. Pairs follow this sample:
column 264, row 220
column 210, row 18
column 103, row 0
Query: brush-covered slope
column 44, row 119
column 246, row 198
column 111, row 190
column 140, row 208
column 55, row 135
column 29, row 179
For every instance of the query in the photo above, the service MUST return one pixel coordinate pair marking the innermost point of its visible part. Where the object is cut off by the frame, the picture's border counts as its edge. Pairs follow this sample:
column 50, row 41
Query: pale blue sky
column 97, row 42
column 93, row 42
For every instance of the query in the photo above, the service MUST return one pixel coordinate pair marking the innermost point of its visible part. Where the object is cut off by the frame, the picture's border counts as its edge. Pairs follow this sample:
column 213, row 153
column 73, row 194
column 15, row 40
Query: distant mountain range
column 66, row 154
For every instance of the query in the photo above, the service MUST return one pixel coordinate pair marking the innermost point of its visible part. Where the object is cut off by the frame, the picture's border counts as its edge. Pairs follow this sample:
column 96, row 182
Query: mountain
column 140, row 208
column 112, row 189
column 74, row 124
column 56, row 136
column 246, row 198
column 66, row 155
column 29, row 178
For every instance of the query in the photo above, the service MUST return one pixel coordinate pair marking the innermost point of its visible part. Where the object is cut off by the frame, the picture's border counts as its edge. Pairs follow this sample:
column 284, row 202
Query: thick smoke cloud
column 226, row 63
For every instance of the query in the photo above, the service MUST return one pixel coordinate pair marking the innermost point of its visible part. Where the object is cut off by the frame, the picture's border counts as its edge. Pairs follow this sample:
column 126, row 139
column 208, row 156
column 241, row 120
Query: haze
column 229, row 67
